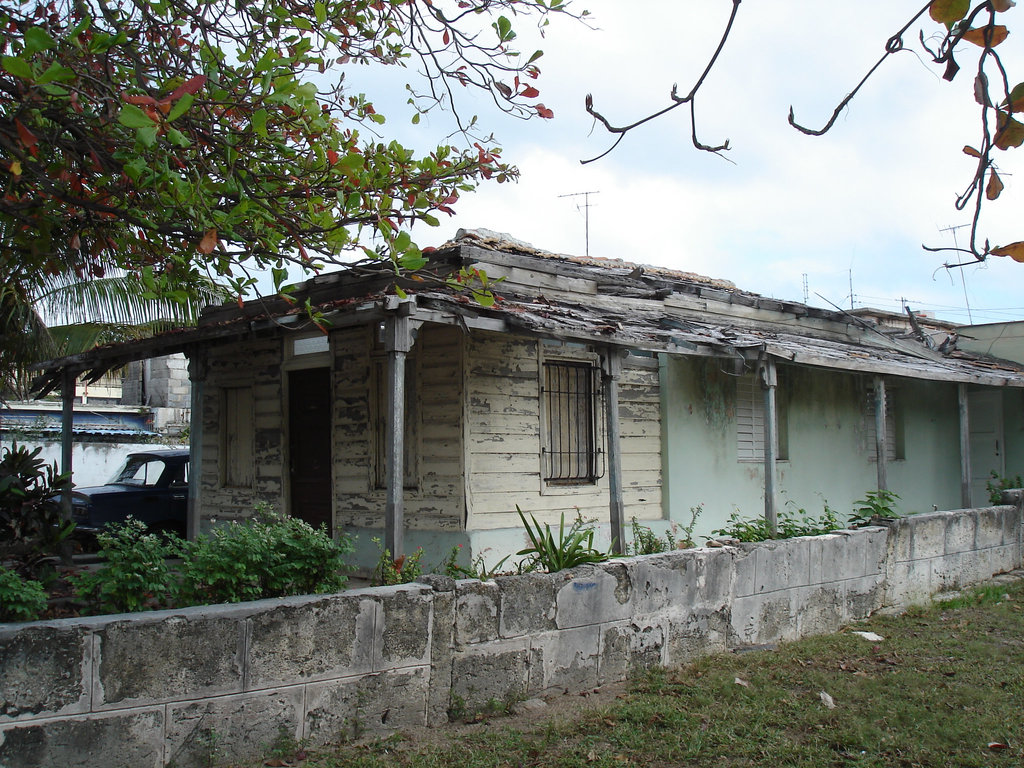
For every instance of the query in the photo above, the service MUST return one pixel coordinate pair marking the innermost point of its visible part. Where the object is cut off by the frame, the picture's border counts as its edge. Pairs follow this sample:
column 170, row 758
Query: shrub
column 135, row 575
column 272, row 556
column 20, row 599
column 875, row 504
column 573, row 547
column 399, row 570
column 998, row 484
column 788, row 526
column 31, row 527
column 477, row 569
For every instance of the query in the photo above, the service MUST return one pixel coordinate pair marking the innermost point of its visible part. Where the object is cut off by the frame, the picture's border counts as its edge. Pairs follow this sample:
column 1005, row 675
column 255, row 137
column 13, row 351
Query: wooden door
column 985, row 412
column 309, row 445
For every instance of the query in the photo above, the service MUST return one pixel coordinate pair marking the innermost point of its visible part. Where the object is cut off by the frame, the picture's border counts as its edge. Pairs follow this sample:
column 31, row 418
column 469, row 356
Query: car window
column 140, row 472
column 179, row 476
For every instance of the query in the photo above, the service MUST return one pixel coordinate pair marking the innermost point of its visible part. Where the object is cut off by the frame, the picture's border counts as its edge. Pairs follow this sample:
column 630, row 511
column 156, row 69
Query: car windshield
column 139, row 471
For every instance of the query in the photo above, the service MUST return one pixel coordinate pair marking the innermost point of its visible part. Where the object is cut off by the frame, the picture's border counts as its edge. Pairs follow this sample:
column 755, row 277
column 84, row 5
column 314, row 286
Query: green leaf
column 38, row 39
column 56, row 72
column 402, row 242
column 320, row 10
column 177, row 138
column 181, row 106
column 17, row 67
column 400, row 293
column 147, row 136
column 133, row 117
column 259, row 122
column 949, row 11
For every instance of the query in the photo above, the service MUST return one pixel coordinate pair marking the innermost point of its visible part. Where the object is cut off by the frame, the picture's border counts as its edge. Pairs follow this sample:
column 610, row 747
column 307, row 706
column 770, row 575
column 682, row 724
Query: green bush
column 272, row 556
column 20, row 599
column 875, row 504
column 998, row 484
column 135, row 575
column 789, row 525
column 31, row 527
column 396, row 570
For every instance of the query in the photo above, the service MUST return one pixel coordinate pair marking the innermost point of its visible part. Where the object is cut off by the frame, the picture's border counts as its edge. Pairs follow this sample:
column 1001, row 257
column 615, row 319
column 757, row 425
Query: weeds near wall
column 477, row 569
column 998, row 484
column 20, row 599
column 396, row 570
column 789, row 525
column 571, row 548
column 876, row 505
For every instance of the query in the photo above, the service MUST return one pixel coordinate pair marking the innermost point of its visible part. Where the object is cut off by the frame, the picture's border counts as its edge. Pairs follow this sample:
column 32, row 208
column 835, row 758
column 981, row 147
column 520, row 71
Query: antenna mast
column 586, row 215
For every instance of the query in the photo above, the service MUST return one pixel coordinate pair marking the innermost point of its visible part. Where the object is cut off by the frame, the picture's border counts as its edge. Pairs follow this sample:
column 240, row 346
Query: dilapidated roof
column 596, row 301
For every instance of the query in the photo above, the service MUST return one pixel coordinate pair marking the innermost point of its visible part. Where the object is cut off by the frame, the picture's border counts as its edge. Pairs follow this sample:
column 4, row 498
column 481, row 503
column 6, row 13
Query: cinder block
column 960, row 532
column 305, row 639
column 591, row 596
column 927, row 535
column 819, row 609
column 527, row 602
column 566, row 660
column 442, row 654
column 45, row 669
column 697, row 633
column 781, row 565
column 991, row 528
column 120, row 740
column 404, row 626
column 863, row 597
column 154, row 657
column 764, row 618
column 659, row 581
column 717, row 571
column 476, row 611
column 494, row 671
column 338, row 710
column 235, row 728
column 947, row 573
column 909, row 583
column 745, row 565
column 627, row 647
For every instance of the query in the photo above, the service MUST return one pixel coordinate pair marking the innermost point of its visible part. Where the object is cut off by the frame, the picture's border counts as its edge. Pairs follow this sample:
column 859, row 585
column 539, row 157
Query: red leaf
column 27, row 137
column 446, row 38
column 544, row 112
column 529, row 92
column 192, row 85
column 209, row 242
column 332, row 156
column 140, row 100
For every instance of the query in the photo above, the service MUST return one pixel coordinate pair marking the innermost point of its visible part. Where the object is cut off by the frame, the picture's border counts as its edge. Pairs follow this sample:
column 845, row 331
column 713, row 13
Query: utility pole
column 586, row 215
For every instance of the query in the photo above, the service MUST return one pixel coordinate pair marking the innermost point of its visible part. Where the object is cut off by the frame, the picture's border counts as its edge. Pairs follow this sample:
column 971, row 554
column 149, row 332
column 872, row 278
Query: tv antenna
column 586, row 215
column 963, row 280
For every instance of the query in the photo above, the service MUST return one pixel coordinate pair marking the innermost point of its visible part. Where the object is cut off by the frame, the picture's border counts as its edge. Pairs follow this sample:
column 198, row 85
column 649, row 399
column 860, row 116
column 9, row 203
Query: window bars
column 570, row 448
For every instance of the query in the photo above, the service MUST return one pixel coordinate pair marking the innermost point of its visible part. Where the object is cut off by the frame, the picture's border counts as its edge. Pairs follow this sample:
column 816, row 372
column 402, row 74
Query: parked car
column 151, row 486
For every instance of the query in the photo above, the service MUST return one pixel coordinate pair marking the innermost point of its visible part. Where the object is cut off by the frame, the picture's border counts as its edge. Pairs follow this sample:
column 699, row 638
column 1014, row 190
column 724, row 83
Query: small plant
column 573, row 547
column 400, row 570
column 135, row 575
column 879, row 504
column 745, row 529
column 647, row 542
column 998, row 484
column 477, row 569
column 788, row 525
column 285, row 749
column 20, row 599
column 687, row 540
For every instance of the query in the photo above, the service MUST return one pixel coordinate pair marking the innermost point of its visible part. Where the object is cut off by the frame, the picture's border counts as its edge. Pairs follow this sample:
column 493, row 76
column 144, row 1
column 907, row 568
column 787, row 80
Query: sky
column 787, row 215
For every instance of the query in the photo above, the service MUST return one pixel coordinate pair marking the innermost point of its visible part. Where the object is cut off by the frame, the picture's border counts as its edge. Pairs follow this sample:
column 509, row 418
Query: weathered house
column 591, row 387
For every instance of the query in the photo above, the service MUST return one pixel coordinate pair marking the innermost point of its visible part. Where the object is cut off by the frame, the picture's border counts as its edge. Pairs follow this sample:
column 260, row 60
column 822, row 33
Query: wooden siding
column 436, row 501
column 505, row 430
column 256, row 365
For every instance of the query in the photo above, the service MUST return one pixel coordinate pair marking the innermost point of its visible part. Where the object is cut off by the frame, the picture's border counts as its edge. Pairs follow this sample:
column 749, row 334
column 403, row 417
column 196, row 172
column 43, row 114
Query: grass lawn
column 944, row 687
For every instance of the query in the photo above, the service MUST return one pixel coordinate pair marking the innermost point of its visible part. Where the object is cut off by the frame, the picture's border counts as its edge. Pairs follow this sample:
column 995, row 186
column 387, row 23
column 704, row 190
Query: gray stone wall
column 179, row 686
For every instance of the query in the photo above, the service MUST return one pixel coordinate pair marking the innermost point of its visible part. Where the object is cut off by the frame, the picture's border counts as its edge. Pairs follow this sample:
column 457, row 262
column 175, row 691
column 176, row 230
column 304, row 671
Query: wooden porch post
column 197, row 378
column 769, row 382
column 965, row 447
column 67, row 421
column 616, row 509
column 881, row 454
column 397, row 343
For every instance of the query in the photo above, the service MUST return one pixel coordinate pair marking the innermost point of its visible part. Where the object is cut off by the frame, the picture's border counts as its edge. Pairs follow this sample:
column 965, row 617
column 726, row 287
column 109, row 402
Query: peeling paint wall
column 830, row 450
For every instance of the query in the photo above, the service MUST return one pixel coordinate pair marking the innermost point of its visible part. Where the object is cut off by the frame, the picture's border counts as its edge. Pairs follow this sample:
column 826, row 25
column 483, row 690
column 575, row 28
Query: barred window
column 570, row 440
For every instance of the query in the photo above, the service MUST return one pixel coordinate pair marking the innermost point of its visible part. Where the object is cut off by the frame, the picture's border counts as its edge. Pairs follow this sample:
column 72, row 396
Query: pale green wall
column 829, row 455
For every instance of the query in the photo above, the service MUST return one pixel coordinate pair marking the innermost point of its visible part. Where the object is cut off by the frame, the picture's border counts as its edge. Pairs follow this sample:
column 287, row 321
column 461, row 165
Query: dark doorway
column 309, row 445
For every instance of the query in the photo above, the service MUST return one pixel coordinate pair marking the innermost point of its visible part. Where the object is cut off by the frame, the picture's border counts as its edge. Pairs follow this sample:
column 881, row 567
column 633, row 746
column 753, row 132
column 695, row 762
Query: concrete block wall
column 180, row 686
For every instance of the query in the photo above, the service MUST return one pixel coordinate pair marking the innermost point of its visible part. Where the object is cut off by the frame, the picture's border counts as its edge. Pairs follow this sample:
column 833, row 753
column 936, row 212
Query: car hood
column 94, row 491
